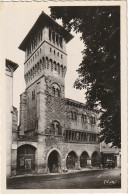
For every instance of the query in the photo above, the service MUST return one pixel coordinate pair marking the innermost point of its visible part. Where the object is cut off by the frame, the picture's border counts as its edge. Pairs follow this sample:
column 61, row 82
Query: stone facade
column 55, row 133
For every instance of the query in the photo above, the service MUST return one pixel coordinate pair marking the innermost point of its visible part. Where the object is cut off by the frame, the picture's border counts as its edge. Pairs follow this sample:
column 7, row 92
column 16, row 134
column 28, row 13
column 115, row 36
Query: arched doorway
column 83, row 159
column 54, row 162
column 95, row 159
column 26, row 159
column 71, row 160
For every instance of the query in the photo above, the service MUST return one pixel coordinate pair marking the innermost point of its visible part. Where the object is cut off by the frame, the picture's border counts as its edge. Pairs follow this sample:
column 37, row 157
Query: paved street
column 108, row 178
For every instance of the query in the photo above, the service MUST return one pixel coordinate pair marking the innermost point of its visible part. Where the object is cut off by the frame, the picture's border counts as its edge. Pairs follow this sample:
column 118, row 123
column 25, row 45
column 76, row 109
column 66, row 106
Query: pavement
column 79, row 179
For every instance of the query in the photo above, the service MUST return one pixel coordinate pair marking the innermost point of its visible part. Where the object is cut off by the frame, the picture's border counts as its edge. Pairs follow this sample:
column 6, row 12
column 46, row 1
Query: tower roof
column 45, row 20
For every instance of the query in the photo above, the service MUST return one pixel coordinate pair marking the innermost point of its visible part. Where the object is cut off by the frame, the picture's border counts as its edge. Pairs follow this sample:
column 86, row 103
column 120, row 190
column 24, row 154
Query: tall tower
column 44, row 72
column 45, row 61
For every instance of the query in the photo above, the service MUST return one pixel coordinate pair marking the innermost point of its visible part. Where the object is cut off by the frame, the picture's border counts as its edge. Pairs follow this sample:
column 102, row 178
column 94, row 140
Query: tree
column 99, row 71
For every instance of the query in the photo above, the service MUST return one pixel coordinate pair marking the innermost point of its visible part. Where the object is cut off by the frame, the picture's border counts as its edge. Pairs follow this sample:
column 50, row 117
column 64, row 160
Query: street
column 108, row 178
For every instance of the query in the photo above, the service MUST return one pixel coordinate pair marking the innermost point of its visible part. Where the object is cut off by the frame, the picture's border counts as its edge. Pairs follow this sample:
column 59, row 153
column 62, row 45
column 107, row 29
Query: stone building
column 55, row 133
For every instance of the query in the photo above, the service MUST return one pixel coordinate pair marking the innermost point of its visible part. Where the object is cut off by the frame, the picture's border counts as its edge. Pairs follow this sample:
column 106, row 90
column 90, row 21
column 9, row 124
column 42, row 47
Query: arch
column 56, row 90
column 28, row 75
column 71, row 160
column 51, row 64
column 54, row 65
column 95, row 159
column 54, row 160
column 57, row 39
column 56, row 128
column 84, row 118
column 47, row 63
column 50, row 33
column 83, row 159
column 58, row 68
column 53, row 37
column 43, row 65
column 33, row 72
column 26, row 158
column 65, row 69
column 61, row 69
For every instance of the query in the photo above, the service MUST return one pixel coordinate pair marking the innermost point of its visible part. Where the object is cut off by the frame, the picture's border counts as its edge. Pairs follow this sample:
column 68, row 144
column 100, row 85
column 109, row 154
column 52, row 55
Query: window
column 55, row 90
column 53, row 36
column 61, row 42
column 93, row 120
column 84, row 118
column 49, row 34
column 56, row 128
column 50, row 49
column 73, row 115
column 33, row 95
column 54, row 52
column 58, row 54
column 61, row 56
column 57, row 39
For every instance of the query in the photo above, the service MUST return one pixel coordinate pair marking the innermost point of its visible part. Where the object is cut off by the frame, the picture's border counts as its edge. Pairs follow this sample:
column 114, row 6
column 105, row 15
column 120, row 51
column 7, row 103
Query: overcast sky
column 16, row 20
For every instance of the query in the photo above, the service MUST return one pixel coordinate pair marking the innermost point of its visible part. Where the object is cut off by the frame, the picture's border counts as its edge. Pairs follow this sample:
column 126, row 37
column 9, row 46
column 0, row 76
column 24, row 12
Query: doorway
column 54, row 162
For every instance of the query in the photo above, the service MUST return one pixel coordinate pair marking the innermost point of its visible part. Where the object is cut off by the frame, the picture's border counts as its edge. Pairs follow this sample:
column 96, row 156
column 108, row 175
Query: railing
column 80, row 137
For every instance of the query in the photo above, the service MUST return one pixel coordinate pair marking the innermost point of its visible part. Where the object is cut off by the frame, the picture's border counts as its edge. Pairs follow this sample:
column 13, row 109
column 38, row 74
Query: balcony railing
column 80, row 137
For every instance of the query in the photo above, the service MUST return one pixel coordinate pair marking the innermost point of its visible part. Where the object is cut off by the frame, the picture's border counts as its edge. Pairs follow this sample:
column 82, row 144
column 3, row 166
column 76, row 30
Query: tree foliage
column 99, row 71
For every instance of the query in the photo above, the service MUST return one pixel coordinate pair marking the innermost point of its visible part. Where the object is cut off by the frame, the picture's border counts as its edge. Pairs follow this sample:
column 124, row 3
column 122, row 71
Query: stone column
column 63, row 164
column 78, row 164
column 88, row 162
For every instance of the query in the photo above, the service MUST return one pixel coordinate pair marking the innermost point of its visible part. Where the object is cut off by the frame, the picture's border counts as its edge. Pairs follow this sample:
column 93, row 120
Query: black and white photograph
column 65, row 75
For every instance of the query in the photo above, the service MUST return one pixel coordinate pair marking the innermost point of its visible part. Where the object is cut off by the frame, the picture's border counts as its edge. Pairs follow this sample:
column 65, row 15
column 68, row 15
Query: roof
column 79, row 104
column 11, row 64
column 45, row 20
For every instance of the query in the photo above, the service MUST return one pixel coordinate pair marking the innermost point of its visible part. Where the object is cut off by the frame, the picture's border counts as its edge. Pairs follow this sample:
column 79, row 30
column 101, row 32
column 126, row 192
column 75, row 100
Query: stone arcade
column 55, row 133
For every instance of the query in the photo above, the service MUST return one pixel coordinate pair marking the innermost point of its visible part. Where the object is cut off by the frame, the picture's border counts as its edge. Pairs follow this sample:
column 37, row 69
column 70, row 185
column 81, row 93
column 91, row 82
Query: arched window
column 53, row 36
column 61, row 42
column 57, row 39
column 93, row 120
column 73, row 115
column 49, row 34
column 56, row 90
column 56, row 128
column 84, row 118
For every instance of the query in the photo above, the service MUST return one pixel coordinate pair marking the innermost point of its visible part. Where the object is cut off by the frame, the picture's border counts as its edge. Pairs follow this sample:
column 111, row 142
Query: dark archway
column 95, row 159
column 71, row 160
column 54, row 162
column 26, row 159
column 83, row 159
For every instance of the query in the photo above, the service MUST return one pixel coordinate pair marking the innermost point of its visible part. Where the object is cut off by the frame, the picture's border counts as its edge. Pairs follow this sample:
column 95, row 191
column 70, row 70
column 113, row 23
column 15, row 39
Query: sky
column 16, row 20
